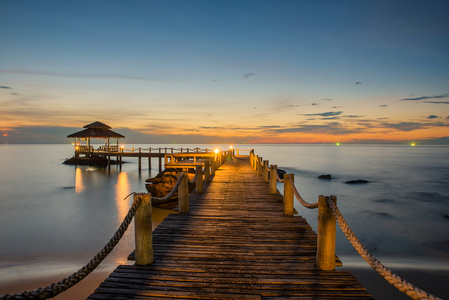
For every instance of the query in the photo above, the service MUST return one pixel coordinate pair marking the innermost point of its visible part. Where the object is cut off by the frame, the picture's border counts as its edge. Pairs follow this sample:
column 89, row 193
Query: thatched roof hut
column 96, row 130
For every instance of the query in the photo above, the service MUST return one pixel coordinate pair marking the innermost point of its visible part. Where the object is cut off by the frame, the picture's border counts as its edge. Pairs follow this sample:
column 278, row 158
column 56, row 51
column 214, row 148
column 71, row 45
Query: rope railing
column 298, row 196
column 394, row 279
column 166, row 198
column 196, row 175
column 329, row 213
column 56, row 288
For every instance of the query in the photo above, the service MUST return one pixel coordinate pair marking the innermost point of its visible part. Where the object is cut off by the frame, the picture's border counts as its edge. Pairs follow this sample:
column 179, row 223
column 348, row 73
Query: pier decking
column 235, row 243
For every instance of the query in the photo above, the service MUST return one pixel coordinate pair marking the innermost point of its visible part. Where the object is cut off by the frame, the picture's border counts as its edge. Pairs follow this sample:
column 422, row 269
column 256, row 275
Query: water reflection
column 79, row 186
column 122, row 190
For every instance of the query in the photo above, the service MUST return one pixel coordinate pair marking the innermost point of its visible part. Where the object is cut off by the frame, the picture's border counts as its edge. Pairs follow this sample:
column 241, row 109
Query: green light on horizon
column 413, row 144
column 338, row 144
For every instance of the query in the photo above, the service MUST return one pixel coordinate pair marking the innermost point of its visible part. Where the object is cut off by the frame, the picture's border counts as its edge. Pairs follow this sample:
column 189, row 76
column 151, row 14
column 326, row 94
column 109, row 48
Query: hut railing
column 328, row 216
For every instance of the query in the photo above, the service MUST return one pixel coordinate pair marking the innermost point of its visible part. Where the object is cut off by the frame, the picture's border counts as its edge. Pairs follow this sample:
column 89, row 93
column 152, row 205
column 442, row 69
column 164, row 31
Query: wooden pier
column 235, row 243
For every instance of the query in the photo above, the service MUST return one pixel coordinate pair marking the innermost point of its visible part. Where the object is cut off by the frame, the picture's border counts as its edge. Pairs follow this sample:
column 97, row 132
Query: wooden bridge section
column 235, row 243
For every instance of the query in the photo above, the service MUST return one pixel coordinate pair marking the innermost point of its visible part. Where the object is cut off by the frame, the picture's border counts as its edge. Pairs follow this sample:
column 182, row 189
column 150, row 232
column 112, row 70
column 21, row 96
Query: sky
column 226, row 71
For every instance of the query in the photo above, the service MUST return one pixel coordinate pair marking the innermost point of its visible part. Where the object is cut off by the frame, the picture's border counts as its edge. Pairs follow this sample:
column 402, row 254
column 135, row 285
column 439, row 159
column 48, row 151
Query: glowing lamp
column 76, row 148
column 216, row 150
column 230, row 147
column 338, row 144
column 413, row 144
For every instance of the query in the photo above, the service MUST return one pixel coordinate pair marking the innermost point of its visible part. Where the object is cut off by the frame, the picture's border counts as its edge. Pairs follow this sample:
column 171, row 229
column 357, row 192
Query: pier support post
column 325, row 253
column 140, row 160
column 259, row 166
column 273, row 179
column 183, row 193
column 199, row 180
column 251, row 158
column 160, row 164
column 143, row 228
column 207, row 170
column 213, row 163
column 265, row 171
column 256, row 162
column 288, row 194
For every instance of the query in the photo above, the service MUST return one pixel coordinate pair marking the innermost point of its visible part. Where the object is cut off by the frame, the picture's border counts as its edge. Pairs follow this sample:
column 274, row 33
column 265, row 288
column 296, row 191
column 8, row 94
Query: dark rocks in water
column 326, row 176
column 358, row 181
column 163, row 183
column 446, row 216
column 98, row 161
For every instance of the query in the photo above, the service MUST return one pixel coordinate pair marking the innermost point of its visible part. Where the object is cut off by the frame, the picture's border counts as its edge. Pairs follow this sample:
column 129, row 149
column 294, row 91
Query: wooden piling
column 265, row 171
column 325, row 254
column 273, row 179
column 183, row 193
column 259, row 166
column 288, row 194
column 143, row 228
column 199, row 180
column 207, row 170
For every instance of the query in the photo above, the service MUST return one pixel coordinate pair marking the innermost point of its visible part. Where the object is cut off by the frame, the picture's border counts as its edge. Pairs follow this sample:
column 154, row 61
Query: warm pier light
column 230, row 147
column 216, row 150
column 122, row 146
column 413, row 144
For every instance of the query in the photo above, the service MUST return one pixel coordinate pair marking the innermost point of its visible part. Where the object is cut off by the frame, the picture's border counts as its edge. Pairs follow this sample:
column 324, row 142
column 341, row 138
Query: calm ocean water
column 54, row 217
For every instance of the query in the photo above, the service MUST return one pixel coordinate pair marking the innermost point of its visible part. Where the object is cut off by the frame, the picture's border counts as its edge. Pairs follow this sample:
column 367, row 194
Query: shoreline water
column 413, row 180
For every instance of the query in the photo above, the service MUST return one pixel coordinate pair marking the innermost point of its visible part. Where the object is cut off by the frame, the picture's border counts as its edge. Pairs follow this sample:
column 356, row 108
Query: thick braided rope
column 298, row 196
column 172, row 192
column 277, row 176
column 55, row 289
column 196, row 176
column 394, row 279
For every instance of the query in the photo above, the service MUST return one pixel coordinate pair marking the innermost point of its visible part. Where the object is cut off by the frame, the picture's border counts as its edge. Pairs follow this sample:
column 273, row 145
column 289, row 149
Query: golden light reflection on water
column 79, row 186
column 123, row 190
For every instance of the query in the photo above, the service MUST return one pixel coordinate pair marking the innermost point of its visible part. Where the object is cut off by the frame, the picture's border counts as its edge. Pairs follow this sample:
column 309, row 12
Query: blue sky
column 243, row 71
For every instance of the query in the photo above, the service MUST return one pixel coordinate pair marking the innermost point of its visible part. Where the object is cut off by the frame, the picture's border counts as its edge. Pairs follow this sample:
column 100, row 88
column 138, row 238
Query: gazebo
column 96, row 130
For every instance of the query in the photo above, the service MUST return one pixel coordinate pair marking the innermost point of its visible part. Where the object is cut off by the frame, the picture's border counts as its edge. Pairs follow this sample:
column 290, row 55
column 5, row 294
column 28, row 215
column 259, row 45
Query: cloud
column 383, row 105
column 437, row 102
column 427, row 98
column 331, row 128
column 432, row 117
column 247, row 75
column 410, row 126
column 353, row 116
column 5, row 87
column 314, row 104
column 326, row 114
column 77, row 75
column 358, row 83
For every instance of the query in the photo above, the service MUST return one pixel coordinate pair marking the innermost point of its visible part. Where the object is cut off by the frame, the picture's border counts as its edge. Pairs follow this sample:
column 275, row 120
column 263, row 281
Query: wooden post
column 160, row 164
column 212, row 167
column 273, row 179
column 260, row 167
column 149, row 159
column 143, row 228
column 256, row 160
column 183, row 193
column 325, row 253
column 207, row 170
column 288, row 195
column 199, row 179
column 265, row 171
column 140, row 160
column 251, row 158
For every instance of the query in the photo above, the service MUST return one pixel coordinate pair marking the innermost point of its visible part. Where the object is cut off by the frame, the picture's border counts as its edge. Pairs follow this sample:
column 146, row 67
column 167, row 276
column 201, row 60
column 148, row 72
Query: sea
column 54, row 218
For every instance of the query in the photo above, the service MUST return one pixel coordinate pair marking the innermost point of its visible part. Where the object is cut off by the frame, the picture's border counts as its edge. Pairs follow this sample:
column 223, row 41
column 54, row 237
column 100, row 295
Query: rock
column 327, row 176
column 358, row 181
column 281, row 173
column 97, row 161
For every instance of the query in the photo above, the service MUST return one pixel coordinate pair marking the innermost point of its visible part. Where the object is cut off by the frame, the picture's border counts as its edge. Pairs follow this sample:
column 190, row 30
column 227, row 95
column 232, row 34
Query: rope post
column 183, row 193
column 256, row 162
column 199, row 179
column 273, row 179
column 212, row 167
column 288, row 194
column 325, row 253
column 251, row 158
column 207, row 170
column 260, row 166
column 265, row 171
column 143, row 228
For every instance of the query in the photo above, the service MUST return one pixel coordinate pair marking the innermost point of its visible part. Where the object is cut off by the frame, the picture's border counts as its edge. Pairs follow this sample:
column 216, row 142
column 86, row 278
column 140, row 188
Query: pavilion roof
column 96, row 130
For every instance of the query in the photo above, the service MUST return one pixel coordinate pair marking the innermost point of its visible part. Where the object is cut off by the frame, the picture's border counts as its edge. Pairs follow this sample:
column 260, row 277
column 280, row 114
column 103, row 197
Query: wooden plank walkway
column 234, row 244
